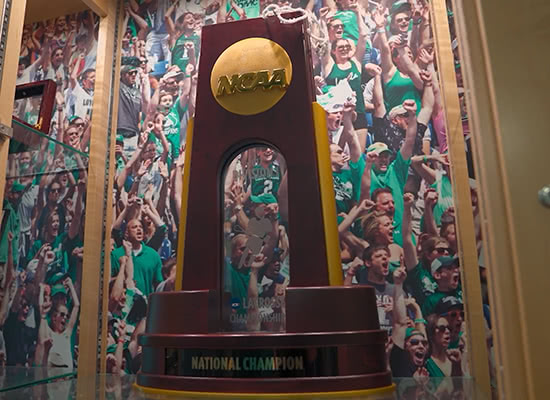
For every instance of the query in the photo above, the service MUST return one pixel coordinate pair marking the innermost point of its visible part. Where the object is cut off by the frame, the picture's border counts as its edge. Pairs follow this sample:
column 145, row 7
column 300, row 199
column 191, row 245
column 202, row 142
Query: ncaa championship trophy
column 255, row 91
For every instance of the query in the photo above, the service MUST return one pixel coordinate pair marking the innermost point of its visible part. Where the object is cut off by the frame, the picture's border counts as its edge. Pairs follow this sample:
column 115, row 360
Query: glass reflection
column 256, row 270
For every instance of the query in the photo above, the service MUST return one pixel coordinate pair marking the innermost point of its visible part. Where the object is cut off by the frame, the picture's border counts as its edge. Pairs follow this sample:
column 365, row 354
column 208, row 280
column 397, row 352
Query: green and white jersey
column 172, row 128
column 179, row 52
column 347, row 185
column 266, row 180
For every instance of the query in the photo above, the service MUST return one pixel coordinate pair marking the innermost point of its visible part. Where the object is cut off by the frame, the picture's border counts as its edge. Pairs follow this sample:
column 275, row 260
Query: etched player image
column 256, row 269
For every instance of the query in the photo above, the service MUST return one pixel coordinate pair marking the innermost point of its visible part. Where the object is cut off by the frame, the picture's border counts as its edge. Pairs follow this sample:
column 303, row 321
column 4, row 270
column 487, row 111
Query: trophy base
column 332, row 345
column 380, row 393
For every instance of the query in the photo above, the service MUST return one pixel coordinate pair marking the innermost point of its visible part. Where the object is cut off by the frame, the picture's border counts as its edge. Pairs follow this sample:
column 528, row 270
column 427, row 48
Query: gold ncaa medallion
column 251, row 76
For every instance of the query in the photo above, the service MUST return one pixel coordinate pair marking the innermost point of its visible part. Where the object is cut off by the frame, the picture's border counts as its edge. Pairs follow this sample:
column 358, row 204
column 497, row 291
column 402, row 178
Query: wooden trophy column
column 332, row 342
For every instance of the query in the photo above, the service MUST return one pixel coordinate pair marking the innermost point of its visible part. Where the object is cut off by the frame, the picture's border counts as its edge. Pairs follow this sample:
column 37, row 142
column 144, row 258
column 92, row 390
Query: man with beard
column 376, row 259
column 394, row 174
column 447, row 275
column 410, row 346
column 146, row 261
column 266, row 174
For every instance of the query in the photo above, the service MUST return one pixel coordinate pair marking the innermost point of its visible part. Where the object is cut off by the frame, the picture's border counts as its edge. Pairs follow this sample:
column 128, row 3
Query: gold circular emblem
column 251, row 76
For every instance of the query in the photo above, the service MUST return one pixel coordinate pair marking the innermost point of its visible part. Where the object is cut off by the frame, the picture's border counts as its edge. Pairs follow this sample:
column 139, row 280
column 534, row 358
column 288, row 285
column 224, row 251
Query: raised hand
column 410, row 106
column 399, row 275
column 373, row 69
column 425, row 56
column 430, row 198
column 259, row 261
column 372, row 156
column 408, row 199
column 127, row 247
column 143, row 167
column 454, row 355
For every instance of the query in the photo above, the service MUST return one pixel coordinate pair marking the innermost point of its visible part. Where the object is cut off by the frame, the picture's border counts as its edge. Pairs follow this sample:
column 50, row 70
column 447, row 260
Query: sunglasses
column 441, row 250
column 62, row 314
column 416, row 342
column 443, row 328
column 454, row 314
column 336, row 26
column 405, row 19
column 348, row 47
column 132, row 73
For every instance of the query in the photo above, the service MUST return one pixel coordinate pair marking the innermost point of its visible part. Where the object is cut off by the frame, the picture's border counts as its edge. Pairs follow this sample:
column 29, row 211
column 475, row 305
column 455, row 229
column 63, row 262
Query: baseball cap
column 17, row 187
column 58, row 288
column 379, row 148
column 127, row 68
column 396, row 111
column 444, row 261
column 266, row 198
column 73, row 118
column 411, row 332
column 178, row 75
column 448, row 303
column 400, row 6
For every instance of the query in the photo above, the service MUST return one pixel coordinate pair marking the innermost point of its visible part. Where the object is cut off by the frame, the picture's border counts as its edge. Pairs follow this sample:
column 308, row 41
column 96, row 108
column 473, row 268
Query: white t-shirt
column 79, row 102
column 60, row 353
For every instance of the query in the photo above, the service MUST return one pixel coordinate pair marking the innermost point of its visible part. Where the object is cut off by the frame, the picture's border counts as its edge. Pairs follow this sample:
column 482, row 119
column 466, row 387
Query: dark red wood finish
column 219, row 135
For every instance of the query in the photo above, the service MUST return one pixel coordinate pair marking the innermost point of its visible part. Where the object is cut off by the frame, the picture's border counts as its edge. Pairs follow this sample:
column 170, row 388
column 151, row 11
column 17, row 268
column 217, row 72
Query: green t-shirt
column 266, row 180
column 399, row 89
column 60, row 264
column 250, row 7
column 394, row 178
column 13, row 226
column 347, row 185
column 172, row 127
column 444, row 189
column 179, row 52
column 420, row 283
column 349, row 19
column 433, row 369
column 236, row 283
column 147, row 268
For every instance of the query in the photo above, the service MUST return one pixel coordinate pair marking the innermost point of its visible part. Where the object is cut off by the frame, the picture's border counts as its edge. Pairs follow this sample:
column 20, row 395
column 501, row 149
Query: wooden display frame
column 46, row 89
column 105, row 110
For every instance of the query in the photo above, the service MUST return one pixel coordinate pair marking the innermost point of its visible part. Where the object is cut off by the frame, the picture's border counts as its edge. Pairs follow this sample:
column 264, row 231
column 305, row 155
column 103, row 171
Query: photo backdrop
column 375, row 76
column 42, row 232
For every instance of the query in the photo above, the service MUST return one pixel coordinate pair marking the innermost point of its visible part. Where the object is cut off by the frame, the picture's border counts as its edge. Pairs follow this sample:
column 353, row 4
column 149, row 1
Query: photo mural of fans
column 376, row 78
column 41, row 246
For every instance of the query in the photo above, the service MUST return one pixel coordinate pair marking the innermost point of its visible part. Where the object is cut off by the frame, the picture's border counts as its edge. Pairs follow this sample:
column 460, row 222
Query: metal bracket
column 4, row 22
column 6, row 132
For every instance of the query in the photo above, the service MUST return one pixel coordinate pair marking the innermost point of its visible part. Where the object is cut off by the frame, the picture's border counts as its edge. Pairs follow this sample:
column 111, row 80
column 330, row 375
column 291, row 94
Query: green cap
column 444, row 261
column 17, row 187
column 379, row 148
column 400, row 6
column 412, row 332
column 58, row 288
